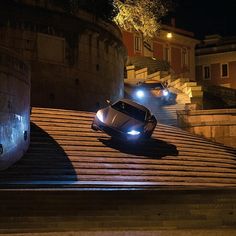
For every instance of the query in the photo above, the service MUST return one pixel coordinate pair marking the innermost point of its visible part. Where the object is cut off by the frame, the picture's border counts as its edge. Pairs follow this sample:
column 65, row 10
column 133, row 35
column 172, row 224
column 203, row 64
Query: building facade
column 76, row 60
column 176, row 46
column 216, row 61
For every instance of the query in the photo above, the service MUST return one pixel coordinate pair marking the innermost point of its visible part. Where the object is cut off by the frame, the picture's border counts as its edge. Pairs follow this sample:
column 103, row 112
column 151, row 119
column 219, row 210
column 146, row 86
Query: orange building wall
column 158, row 44
column 128, row 40
column 215, row 74
column 199, row 73
column 215, row 62
column 232, row 74
column 216, row 78
column 176, row 59
column 158, row 50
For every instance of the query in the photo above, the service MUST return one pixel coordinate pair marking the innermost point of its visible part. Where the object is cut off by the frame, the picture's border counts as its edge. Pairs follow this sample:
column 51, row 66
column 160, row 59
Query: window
column 130, row 110
column 224, row 70
column 206, row 72
column 185, row 57
column 138, row 43
column 158, row 86
column 167, row 54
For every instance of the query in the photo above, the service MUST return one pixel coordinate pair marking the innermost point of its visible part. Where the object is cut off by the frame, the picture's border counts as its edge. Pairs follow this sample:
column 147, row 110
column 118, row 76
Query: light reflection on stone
column 14, row 108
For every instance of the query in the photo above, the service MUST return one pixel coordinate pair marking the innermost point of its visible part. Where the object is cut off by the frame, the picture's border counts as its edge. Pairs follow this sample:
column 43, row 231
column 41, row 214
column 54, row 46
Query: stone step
column 64, row 137
column 110, row 212
column 195, row 93
column 75, row 181
column 189, row 84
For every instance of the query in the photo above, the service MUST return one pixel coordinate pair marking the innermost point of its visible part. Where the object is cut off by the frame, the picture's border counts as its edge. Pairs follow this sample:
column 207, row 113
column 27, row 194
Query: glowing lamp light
column 169, row 35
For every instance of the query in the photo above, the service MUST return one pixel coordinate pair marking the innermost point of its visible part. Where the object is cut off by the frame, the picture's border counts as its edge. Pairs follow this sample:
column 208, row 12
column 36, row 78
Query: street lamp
column 169, row 35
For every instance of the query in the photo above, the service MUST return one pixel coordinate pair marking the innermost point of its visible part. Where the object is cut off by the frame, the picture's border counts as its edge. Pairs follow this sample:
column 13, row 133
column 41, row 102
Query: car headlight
column 133, row 132
column 165, row 93
column 100, row 116
column 140, row 93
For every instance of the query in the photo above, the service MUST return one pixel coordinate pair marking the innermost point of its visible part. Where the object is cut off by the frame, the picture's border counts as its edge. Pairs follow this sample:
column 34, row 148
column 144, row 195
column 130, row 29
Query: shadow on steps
column 153, row 148
column 44, row 160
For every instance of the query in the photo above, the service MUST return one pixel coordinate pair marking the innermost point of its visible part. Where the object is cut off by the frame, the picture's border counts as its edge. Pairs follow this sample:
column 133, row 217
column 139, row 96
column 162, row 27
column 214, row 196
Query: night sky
column 204, row 17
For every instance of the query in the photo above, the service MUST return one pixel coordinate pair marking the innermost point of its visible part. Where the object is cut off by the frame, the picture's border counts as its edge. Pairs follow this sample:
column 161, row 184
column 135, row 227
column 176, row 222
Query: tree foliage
column 135, row 15
column 140, row 15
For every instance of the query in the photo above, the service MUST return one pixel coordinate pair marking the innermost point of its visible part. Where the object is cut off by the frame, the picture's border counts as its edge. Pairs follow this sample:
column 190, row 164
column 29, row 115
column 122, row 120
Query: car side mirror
column 152, row 119
column 166, row 85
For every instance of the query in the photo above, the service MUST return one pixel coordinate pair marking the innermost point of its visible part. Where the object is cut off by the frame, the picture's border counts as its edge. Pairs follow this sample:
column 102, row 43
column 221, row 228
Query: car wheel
column 94, row 127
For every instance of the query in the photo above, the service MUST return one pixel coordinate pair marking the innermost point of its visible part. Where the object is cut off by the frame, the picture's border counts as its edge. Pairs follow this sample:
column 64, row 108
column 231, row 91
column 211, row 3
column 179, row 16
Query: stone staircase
column 140, row 69
column 152, row 64
column 191, row 89
column 74, row 181
column 64, row 151
column 167, row 114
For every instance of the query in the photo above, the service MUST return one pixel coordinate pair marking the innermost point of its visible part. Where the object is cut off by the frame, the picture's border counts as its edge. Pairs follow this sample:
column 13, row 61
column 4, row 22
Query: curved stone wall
column 77, row 61
column 14, row 107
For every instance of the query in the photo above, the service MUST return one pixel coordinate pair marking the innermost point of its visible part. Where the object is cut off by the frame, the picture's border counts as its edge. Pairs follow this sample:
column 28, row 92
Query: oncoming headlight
column 133, row 132
column 100, row 116
column 165, row 93
column 140, row 94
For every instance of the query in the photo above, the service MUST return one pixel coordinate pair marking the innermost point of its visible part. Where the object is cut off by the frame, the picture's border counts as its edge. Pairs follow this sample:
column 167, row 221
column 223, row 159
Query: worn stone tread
column 64, row 148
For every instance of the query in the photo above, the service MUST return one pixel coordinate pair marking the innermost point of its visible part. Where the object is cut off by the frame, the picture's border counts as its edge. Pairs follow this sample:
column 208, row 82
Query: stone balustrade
column 218, row 125
column 228, row 95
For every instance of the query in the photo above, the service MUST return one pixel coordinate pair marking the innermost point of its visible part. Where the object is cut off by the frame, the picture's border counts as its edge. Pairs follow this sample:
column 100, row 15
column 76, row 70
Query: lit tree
column 140, row 15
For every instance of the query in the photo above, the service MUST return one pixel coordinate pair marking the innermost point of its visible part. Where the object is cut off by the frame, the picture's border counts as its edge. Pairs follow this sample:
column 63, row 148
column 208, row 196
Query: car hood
column 121, row 121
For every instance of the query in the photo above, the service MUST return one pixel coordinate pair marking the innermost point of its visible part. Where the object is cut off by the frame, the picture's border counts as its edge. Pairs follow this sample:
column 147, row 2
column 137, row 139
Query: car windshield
column 130, row 110
column 153, row 85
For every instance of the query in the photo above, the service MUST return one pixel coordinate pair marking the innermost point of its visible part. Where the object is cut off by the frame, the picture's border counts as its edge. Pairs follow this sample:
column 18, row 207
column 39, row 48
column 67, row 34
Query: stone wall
column 77, row 60
column 218, row 125
column 14, row 107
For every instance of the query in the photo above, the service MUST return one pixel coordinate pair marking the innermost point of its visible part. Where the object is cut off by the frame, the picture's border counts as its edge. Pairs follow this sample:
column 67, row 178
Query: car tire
column 94, row 127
